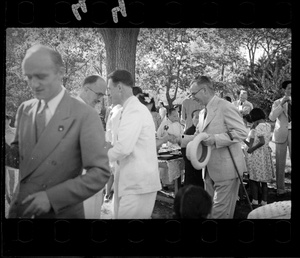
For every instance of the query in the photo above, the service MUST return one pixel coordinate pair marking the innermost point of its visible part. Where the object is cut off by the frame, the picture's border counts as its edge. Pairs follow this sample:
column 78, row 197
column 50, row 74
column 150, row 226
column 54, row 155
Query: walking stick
column 235, row 166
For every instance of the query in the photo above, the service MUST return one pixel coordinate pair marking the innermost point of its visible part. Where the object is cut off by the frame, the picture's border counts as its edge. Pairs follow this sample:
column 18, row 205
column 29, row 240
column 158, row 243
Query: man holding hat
column 225, row 129
column 281, row 112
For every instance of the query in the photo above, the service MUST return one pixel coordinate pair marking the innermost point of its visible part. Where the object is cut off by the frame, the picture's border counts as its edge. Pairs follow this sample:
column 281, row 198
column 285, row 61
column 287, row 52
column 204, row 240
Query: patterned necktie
column 40, row 119
column 290, row 112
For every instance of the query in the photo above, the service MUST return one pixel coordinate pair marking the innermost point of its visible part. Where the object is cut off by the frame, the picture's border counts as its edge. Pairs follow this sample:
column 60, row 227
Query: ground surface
column 164, row 207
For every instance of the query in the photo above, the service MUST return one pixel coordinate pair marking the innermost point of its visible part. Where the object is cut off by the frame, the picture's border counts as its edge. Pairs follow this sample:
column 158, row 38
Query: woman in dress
column 259, row 162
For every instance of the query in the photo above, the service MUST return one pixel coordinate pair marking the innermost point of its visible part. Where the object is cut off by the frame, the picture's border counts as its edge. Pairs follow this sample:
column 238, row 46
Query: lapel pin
column 60, row 128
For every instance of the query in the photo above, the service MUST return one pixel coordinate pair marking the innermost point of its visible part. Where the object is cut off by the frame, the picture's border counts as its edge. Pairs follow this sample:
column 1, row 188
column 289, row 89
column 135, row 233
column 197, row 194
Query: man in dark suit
column 57, row 137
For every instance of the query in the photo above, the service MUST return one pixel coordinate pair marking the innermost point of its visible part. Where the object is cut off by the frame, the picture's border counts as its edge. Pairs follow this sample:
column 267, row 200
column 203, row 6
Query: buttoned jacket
column 224, row 122
column 72, row 140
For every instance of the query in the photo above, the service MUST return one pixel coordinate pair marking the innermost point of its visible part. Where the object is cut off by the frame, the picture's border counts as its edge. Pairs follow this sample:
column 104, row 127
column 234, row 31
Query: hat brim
column 198, row 153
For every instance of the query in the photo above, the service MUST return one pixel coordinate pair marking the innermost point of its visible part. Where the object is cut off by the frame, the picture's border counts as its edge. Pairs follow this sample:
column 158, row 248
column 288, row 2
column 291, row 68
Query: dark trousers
column 192, row 176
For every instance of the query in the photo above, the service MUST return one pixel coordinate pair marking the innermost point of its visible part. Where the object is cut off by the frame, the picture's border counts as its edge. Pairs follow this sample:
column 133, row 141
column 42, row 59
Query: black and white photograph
column 130, row 127
column 211, row 109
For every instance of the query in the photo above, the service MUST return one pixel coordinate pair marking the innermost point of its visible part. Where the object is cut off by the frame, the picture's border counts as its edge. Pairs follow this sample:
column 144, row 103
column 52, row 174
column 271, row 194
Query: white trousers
column 134, row 206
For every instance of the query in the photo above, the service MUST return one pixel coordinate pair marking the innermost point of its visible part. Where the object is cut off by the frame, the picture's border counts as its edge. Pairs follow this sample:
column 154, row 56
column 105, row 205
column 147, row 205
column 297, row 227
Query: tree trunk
column 120, row 46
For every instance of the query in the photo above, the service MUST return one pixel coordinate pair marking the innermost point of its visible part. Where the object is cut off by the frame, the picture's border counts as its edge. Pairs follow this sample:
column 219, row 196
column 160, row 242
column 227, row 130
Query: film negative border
column 155, row 237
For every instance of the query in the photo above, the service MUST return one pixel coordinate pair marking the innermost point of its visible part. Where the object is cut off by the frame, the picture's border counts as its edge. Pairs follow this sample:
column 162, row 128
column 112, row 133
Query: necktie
column 205, row 113
column 290, row 112
column 40, row 119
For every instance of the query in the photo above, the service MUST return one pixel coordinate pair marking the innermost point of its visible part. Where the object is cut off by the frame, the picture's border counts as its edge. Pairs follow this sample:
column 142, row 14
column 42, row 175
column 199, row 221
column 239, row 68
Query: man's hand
column 284, row 100
column 39, row 205
column 209, row 141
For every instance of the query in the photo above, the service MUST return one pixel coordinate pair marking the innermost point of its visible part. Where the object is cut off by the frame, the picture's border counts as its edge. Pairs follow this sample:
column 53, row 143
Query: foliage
column 167, row 59
column 82, row 51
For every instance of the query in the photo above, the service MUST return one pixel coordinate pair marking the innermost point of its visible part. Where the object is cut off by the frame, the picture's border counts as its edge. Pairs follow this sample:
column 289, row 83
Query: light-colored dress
column 259, row 162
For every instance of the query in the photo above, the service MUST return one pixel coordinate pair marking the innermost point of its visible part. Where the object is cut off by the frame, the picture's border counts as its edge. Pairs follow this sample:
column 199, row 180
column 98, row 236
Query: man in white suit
column 243, row 105
column 281, row 112
column 137, row 179
column 225, row 128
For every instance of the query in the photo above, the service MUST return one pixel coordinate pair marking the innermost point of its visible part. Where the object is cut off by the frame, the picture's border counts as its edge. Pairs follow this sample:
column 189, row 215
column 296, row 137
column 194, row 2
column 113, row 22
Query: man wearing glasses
column 93, row 89
column 225, row 128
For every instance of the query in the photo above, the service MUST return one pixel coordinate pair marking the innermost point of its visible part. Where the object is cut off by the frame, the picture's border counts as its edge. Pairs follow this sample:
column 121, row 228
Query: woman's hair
column 136, row 90
column 143, row 99
column 227, row 98
column 257, row 114
column 192, row 202
column 247, row 118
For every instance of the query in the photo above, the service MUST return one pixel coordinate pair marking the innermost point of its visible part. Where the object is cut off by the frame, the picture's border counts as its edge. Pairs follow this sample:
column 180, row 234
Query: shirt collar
column 128, row 100
column 53, row 103
column 80, row 99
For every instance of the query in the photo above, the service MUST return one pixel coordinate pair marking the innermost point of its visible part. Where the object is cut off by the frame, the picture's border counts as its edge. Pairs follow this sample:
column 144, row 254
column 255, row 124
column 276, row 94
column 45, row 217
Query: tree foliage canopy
column 257, row 60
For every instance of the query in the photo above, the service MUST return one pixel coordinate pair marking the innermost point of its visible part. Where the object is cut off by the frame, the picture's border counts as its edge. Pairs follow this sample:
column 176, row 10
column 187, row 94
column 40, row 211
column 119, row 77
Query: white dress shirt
column 53, row 104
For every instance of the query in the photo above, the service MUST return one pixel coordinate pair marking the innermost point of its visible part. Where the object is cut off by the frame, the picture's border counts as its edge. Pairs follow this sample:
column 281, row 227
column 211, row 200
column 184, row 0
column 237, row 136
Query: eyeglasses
column 99, row 94
column 195, row 93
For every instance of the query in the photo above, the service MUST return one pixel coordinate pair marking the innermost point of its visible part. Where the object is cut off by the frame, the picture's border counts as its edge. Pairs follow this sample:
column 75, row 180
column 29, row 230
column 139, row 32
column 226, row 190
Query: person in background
column 259, row 161
column 225, row 129
column 137, row 179
column 57, row 137
column 93, row 89
column 162, row 111
column 170, row 125
column 188, row 106
column 192, row 175
column 150, row 104
column 9, row 131
column 11, row 164
column 242, row 104
column 281, row 113
column 192, row 202
column 137, row 91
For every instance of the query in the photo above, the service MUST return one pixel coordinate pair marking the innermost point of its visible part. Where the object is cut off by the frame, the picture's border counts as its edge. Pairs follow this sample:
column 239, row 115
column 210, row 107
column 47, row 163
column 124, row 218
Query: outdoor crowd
column 64, row 157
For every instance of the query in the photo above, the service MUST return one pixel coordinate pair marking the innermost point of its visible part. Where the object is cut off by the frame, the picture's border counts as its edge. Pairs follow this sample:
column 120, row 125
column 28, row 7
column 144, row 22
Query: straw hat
column 198, row 153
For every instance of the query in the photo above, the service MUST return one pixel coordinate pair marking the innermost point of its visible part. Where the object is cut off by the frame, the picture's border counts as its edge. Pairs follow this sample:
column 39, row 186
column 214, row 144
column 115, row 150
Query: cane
column 239, row 173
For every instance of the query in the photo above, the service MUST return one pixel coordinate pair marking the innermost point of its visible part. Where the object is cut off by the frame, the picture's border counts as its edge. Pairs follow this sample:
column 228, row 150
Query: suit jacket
column 223, row 117
column 135, row 151
column 280, row 114
column 72, row 140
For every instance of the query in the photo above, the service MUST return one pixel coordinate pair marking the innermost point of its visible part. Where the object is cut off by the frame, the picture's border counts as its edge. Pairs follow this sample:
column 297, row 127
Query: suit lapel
column 55, row 130
column 211, row 112
column 29, row 134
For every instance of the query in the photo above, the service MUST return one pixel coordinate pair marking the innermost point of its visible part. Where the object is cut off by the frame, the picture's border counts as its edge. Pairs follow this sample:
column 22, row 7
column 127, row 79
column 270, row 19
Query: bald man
column 57, row 136
column 93, row 89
